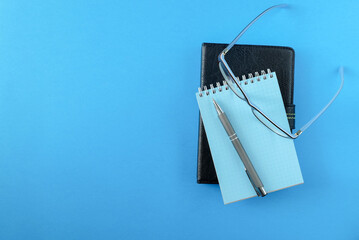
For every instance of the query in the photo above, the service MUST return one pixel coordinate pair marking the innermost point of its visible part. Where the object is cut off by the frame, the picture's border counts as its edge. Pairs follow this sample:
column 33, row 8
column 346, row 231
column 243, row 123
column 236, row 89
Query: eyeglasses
column 233, row 83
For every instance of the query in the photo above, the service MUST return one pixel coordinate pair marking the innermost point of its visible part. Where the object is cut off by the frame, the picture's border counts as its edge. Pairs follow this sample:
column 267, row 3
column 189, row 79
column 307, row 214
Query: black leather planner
column 243, row 59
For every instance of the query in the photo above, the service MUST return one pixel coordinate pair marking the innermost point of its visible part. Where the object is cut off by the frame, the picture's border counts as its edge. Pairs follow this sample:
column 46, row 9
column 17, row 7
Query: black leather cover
column 243, row 59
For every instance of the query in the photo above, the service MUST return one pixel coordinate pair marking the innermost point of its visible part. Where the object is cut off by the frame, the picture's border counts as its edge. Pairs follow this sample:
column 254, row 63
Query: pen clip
column 259, row 194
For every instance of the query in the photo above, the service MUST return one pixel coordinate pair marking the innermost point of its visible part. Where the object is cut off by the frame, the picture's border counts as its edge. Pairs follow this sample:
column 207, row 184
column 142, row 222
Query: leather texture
column 243, row 59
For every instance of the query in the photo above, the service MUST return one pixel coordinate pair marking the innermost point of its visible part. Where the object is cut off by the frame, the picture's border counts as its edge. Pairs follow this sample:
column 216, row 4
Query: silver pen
column 251, row 172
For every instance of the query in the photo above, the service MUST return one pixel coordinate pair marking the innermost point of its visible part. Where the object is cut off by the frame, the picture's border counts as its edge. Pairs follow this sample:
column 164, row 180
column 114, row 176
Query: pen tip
column 218, row 108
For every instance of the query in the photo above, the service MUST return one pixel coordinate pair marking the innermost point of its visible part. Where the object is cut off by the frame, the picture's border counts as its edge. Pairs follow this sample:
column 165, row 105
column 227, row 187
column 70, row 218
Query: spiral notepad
column 273, row 156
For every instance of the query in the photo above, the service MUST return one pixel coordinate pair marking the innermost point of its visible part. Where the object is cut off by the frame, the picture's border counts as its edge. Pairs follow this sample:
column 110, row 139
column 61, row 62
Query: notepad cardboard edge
column 268, row 192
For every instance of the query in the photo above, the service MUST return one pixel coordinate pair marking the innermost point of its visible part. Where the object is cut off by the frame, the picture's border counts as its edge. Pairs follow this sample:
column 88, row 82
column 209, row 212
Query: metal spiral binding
column 251, row 79
column 206, row 91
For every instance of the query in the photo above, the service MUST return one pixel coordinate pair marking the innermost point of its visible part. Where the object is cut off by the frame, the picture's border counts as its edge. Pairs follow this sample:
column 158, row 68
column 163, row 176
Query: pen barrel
column 240, row 150
column 226, row 124
column 247, row 163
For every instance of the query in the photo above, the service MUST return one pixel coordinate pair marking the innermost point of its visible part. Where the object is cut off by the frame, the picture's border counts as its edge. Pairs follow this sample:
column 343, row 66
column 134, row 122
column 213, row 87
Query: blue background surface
column 99, row 120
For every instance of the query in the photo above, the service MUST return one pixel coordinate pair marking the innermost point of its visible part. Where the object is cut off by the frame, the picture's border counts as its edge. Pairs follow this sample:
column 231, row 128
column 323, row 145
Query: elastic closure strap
column 290, row 109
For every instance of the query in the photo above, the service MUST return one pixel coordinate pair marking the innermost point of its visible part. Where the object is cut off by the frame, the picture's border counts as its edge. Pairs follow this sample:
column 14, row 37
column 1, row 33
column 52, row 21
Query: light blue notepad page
column 274, row 157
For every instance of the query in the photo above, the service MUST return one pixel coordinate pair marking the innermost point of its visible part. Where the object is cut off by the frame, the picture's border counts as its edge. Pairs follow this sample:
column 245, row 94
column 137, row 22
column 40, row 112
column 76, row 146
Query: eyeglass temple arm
column 341, row 73
column 224, row 52
column 248, row 26
column 222, row 59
